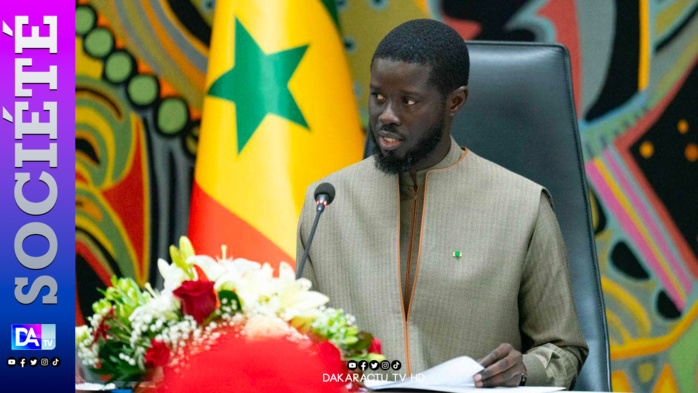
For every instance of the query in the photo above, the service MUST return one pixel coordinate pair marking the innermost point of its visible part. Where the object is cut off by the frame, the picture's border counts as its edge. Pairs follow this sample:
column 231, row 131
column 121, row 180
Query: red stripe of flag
column 209, row 217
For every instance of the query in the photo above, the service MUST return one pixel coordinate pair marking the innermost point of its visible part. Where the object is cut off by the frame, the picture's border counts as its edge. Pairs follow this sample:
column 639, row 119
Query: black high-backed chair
column 520, row 114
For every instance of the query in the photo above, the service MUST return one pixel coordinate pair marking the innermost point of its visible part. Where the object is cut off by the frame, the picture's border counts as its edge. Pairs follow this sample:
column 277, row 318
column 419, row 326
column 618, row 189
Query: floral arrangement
column 134, row 331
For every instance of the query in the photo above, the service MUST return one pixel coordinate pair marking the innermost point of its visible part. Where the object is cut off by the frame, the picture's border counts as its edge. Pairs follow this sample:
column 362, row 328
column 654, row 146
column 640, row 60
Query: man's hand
column 503, row 367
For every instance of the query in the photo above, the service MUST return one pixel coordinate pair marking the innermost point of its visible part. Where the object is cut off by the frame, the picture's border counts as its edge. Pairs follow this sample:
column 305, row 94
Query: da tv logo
column 33, row 337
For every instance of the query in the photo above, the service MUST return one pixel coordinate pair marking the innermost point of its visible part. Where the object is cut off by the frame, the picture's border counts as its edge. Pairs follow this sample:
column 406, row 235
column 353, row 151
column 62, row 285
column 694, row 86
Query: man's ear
column 456, row 99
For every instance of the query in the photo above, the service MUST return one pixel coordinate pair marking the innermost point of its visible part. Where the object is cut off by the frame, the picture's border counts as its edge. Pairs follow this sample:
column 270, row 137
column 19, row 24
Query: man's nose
column 388, row 116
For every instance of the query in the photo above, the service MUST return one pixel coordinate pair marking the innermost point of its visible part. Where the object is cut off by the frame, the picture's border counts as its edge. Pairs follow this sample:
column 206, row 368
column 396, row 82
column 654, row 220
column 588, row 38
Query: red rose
column 157, row 355
column 330, row 356
column 198, row 299
column 375, row 346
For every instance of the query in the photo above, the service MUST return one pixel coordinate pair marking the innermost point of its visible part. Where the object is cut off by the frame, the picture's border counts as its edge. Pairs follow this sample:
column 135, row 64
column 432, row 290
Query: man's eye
column 408, row 101
column 378, row 96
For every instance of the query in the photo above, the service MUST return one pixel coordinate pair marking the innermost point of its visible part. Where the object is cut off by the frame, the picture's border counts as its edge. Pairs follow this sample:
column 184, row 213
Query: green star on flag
column 258, row 85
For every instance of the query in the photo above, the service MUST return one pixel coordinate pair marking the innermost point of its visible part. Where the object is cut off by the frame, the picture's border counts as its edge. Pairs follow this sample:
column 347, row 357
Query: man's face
column 406, row 116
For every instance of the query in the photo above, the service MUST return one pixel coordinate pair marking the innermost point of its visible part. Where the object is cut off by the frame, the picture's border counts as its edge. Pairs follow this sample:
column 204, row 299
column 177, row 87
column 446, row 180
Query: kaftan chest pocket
column 467, row 254
column 485, row 273
column 463, row 264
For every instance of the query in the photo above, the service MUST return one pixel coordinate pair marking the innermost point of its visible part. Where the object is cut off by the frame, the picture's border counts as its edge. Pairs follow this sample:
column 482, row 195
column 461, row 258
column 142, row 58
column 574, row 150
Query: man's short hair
column 429, row 42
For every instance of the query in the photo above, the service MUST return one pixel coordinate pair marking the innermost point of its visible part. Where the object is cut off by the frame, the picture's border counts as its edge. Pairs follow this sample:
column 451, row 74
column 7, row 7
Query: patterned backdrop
column 139, row 89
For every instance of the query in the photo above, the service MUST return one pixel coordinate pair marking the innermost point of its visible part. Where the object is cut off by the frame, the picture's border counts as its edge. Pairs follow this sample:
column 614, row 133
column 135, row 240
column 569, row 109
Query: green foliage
column 114, row 331
column 363, row 343
column 335, row 326
column 123, row 296
column 116, row 369
column 230, row 303
column 231, row 299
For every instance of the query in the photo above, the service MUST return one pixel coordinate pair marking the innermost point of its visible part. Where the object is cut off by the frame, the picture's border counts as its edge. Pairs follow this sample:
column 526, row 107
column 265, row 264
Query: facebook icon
column 33, row 337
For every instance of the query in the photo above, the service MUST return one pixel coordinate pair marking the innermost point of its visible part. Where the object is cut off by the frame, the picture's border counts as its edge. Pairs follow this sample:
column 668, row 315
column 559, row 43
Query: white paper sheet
column 94, row 387
column 520, row 389
column 453, row 376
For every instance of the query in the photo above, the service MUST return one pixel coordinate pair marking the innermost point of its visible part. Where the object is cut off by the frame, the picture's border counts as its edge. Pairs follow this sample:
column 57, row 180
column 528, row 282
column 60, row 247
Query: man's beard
column 389, row 163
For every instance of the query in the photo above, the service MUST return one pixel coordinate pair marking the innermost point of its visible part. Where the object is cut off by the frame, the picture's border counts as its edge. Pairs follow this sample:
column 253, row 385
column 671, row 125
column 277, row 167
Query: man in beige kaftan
column 438, row 252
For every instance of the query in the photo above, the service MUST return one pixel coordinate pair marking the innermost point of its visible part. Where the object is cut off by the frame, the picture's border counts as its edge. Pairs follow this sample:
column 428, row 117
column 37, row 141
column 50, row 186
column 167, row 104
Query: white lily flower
column 172, row 275
column 286, row 273
column 240, row 265
column 211, row 268
column 256, row 287
column 297, row 300
column 234, row 270
column 162, row 307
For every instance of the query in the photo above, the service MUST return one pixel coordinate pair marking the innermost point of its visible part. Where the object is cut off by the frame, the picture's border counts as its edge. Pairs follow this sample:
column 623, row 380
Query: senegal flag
column 279, row 113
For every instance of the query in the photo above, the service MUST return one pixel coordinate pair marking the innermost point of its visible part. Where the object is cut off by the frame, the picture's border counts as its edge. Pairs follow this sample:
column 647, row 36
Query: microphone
column 324, row 195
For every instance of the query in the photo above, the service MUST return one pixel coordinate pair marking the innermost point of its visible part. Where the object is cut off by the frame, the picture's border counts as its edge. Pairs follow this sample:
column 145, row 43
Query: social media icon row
column 33, row 362
column 373, row 365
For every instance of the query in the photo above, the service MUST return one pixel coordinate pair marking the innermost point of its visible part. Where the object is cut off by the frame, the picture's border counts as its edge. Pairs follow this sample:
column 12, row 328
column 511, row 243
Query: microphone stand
column 321, row 204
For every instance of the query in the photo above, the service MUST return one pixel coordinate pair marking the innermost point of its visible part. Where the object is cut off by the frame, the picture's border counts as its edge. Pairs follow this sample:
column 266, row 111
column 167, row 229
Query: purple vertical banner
column 37, row 196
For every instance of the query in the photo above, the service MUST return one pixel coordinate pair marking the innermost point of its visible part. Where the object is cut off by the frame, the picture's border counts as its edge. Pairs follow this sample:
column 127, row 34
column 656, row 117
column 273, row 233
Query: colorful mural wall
column 139, row 88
